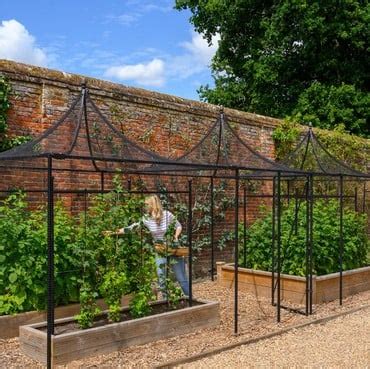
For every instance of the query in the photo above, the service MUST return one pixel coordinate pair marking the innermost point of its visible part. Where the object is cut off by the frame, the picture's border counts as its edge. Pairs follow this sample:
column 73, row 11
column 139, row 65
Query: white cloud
column 125, row 19
column 196, row 59
column 149, row 74
column 136, row 9
column 16, row 43
column 199, row 48
column 193, row 60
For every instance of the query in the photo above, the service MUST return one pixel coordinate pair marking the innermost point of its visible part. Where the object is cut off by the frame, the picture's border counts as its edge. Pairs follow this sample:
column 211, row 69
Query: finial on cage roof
column 83, row 83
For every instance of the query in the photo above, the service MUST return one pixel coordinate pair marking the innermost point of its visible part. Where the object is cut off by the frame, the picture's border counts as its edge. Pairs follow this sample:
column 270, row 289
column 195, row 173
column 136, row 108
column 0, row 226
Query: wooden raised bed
column 115, row 336
column 293, row 288
column 9, row 324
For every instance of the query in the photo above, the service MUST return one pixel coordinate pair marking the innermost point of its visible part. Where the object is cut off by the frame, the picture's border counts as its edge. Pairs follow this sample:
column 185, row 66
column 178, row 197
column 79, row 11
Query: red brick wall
column 166, row 124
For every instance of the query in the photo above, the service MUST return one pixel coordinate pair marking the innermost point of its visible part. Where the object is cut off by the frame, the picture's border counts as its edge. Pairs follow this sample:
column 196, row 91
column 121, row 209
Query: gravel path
column 257, row 317
column 341, row 343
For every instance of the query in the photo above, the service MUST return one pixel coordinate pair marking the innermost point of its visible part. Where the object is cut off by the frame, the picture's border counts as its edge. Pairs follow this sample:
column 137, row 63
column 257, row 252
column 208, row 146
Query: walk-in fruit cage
column 82, row 154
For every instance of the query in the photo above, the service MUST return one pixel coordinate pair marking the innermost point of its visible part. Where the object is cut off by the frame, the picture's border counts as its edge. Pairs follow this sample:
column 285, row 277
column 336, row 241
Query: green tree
column 273, row 55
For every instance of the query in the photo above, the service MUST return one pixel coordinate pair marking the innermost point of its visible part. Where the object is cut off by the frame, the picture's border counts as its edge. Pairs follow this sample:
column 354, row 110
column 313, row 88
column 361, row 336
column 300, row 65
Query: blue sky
column 142, row 43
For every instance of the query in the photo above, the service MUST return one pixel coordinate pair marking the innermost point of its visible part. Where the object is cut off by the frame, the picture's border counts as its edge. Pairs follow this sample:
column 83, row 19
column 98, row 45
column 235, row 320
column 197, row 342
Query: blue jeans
column 178, row 267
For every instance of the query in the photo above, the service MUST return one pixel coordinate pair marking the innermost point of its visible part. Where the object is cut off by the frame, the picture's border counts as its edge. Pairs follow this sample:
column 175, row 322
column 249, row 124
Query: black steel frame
column 183, row 167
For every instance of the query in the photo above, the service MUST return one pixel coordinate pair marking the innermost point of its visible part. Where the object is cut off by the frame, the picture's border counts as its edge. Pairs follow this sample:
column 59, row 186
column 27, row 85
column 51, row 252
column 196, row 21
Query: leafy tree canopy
column 275, row 57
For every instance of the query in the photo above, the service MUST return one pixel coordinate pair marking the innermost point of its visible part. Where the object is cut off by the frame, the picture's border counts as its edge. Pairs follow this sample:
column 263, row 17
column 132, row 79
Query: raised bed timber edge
column 112, row 337
column 9, row 324
column 293, row 288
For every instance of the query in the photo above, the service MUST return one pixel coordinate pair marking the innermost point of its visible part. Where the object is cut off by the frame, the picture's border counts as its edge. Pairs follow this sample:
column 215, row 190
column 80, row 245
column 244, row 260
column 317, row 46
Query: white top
column 158, row 230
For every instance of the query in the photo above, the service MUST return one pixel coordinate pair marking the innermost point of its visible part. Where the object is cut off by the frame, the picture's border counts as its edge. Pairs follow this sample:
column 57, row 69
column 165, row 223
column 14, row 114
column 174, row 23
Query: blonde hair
column 154, row 208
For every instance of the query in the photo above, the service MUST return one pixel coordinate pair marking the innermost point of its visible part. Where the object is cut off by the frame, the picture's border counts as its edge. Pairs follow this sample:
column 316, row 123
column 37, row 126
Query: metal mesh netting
column 311, row 156
column 83, row 133
column 222, row 150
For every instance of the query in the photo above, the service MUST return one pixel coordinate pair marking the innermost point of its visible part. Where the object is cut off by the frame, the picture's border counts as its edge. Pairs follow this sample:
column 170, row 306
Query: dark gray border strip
column 174, row 363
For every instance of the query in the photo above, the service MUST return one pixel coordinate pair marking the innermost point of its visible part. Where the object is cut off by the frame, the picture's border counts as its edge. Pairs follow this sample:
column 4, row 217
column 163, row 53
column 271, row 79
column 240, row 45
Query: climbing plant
column 7, row 142
column 114, row 266
column 201, row 213
column 5, row 90
column 353, row 150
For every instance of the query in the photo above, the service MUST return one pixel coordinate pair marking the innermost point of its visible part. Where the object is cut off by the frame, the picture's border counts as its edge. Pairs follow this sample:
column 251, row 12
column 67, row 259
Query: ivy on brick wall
column 7, row 142
column 5, row 90
column 353, row 150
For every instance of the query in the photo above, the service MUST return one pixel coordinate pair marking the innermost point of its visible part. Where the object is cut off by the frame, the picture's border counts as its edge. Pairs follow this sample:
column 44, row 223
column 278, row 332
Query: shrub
column 23, row 256
column 325, row 240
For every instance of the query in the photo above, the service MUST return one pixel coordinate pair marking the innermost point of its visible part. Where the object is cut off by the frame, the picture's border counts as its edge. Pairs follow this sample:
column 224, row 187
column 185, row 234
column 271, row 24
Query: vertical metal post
column 190, row 240
column 311, row 244
column 288, row 190
column 236, row 253
column 85, row 213
column 212, row 232
column 141, row 233
column 307, row 243
column 273, row 242
column 278, row 246
column 129, row 185
column 245, row 227
column 356, row 200
column 364, row 198
column 50, row 274
column 102, row 182
column 296, row 211
column 341, row 239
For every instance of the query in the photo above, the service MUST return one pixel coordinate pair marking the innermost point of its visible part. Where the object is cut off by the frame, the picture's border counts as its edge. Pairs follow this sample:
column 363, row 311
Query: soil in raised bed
column 102, row 319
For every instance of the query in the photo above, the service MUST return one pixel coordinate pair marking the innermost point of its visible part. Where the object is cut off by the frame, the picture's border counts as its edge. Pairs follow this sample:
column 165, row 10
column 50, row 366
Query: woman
column 158, row 222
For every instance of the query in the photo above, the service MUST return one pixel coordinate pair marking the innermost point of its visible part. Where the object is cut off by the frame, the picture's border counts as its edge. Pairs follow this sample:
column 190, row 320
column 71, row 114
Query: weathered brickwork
column 165, row 124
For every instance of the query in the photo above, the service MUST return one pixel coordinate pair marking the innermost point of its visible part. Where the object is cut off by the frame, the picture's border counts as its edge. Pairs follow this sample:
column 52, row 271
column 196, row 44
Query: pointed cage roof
column 311, row 156
column 222, row 149
column 84, row 133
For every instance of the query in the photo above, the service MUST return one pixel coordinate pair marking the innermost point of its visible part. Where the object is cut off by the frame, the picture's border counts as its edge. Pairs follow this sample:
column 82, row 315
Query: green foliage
column 87, row 264
column 271, row 52
column 174, row 292
column 328, row 106
column 139, row 305
column 286, row 136
column 6, row 142
column 9, row 142
column 201, row 214
column 23, row 250
column 349, row 148
column 89, row 309
column 5, row 91
column 112, row 288
column 325, row 240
